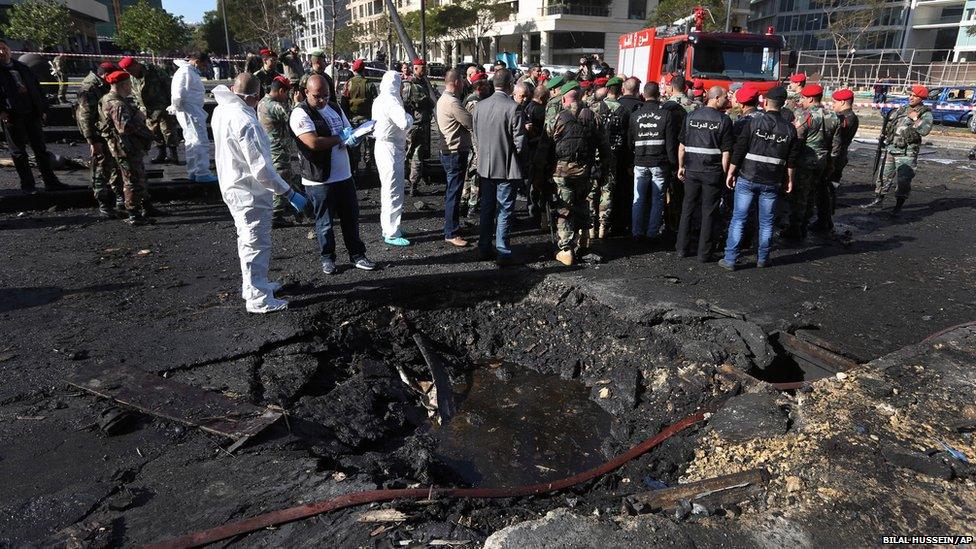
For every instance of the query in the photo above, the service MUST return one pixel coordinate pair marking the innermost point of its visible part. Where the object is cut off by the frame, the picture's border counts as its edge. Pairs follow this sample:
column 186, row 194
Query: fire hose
column 291, row 514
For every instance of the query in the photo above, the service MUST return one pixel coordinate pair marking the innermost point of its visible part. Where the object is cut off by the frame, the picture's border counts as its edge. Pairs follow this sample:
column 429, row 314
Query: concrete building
column 555, row 32
column 86, row 16
column 115, row 10
column 318, row 16
column 921, row 30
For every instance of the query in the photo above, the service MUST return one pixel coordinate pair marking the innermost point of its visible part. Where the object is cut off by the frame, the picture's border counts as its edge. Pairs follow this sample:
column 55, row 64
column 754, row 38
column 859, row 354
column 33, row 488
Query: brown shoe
column 565, row 257
column 457, row 241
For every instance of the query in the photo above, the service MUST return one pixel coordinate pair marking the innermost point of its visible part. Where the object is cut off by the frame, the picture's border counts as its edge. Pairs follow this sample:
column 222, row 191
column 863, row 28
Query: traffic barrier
column 940, row 106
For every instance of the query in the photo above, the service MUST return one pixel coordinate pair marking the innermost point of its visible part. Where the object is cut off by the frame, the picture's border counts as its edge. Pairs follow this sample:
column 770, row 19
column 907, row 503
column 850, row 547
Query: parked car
column 950, row 105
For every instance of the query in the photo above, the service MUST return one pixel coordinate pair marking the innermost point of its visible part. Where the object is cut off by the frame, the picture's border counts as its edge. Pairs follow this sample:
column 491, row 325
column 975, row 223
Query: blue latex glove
column 345, row 134
column 352, row 141
column 297, row 201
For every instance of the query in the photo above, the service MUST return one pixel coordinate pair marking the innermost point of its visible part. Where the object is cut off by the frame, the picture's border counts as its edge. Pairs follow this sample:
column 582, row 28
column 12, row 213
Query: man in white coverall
column 187, row 94
column 248, row 183
column 390, row 133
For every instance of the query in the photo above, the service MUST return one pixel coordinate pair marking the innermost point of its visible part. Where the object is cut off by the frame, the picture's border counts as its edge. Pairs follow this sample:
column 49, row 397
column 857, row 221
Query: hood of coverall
column 390, row 87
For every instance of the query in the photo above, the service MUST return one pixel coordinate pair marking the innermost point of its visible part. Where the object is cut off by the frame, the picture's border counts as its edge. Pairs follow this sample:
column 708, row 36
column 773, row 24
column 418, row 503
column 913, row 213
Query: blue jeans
column 496, row 214
column 746, row 193
column 455, row 165
column 649, row 183
column 340, row 199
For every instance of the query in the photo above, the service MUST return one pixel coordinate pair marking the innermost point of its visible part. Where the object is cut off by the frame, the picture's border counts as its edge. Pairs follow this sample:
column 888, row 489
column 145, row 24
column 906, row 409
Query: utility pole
column 223, row 16
column 423, row 29
column 728, row 17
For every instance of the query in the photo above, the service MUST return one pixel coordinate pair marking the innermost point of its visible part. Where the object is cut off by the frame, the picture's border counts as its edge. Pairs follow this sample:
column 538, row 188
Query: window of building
column 637, row 9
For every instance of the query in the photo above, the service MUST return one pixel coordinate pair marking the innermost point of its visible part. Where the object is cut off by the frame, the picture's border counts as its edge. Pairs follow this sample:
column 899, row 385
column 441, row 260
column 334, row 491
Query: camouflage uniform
column 575, row 142
column 605, row 180
column 124, row 128
column 357, row 100
column 274, row 117
column 417, row 102
column 553, row 107
column 903, row 137
column 792, row 100
column 57, row 70
column 151, row 95
column 266, row 77
column 105, row 177
column 687, row 103
column 470, row 192
column 815, row 132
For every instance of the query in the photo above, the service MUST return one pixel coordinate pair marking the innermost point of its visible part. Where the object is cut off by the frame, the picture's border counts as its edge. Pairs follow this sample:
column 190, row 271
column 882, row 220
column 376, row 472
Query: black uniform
column 675, row 192
column 654, row 136
column 766, row 147
column 22, row 99
column 706, row 134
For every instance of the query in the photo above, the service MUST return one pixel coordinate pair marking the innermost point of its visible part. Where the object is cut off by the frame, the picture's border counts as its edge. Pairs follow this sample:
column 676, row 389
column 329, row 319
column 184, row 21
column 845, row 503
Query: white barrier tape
column 941, row 107
column 117, row 56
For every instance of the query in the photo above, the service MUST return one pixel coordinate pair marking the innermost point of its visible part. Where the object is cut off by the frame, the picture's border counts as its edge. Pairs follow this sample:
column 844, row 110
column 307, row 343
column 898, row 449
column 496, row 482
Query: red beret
column 265, row 52
column 746, row 94
column 419, row 61
column 799, row 77
column 698, row 92
column 843, row 95
column 108, row 67
column 285, row 83
column 126, row 62
column 699, row 84
column 477, row 76
column 811, row 90
column 586, row 84
column 602, row 81
column 357, row 65
column 920, row 91
column 116, row 77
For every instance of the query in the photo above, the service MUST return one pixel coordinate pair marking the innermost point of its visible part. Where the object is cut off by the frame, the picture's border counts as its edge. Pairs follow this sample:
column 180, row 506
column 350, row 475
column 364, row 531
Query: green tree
column 669, row 11
column 469, row 21
column 263, row 22
column 41, row 23
column 209, row 34
column 147, row 28
column 346, row 40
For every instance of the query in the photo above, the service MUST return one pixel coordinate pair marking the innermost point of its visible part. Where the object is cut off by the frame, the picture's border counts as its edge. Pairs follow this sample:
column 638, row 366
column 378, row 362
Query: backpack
column 614, row 119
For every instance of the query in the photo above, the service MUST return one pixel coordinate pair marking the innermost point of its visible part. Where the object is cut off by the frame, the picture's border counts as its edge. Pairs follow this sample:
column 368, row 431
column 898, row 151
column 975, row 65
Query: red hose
column 281, row 516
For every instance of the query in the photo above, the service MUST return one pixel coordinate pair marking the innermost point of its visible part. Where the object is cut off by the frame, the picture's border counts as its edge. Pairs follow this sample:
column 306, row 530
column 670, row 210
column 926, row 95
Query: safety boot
column 160, row 157
column 876, row 203
column 565, row 257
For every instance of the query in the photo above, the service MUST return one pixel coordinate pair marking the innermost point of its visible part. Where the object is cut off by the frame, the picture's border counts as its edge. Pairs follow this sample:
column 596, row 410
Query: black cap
column 777, row 94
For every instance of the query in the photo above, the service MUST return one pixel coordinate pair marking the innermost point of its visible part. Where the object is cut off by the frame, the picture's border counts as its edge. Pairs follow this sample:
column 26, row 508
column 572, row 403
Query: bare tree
column 264, row 22
column 847, row 24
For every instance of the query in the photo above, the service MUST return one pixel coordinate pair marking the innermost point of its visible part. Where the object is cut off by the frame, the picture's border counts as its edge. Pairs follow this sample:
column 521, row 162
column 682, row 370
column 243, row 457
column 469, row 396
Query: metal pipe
column 223, row 15
column 401, row 30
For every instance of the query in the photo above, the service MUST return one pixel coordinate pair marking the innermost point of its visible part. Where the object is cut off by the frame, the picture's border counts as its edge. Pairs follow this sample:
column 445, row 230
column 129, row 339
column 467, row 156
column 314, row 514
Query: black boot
column 148, row 210
column 160, row 157
column 106, row 211
column 173, row 156
column 136, row 218
column 876, row 203
column 899, row 202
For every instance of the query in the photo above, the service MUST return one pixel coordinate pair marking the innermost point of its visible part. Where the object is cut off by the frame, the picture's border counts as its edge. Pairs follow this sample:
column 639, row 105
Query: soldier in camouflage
column 105, row 178
column 613, row 121
column 798, row 81
column 124, row 128
column 555, row 103
column 268, row 71
column 678, row 94
column 356, row 99
column 815, row 131
column 419, row 103
column 903, row 136
column 273, row 114
column 575, row 142
column 150, row 91
column 58, row 70
column 470, row 192
column 317, row 65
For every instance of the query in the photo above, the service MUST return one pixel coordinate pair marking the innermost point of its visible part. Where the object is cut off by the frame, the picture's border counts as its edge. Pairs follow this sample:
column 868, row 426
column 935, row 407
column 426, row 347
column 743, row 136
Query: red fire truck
column 715, row 58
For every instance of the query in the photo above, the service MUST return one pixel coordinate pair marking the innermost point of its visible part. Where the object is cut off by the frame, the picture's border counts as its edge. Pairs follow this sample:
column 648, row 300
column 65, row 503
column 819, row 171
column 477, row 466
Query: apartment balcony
column 936, row 22
column 574, row 9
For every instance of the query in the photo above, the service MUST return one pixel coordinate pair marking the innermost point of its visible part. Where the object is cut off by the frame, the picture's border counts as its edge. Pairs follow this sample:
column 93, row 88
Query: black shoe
column 29, row 191
column 899, row 202
column 107, row 212
column 281, row 222
column 160, row 157
column 152, row 211
column 136, row 219
column 174, row 157
column 876, row 203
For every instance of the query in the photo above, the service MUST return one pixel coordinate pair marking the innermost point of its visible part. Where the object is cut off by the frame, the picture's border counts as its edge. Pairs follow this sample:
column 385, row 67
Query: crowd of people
column 594, row 154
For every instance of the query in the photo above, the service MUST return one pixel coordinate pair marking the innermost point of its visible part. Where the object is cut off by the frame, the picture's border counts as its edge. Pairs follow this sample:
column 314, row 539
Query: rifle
column 881, row 142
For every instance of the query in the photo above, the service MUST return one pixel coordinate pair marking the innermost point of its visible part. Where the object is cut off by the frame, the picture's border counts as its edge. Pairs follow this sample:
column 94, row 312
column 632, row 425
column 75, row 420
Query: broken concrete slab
column 917, row 461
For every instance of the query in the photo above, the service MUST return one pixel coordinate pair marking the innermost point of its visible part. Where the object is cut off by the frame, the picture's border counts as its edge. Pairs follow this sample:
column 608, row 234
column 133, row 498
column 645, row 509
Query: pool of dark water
column 515, row 426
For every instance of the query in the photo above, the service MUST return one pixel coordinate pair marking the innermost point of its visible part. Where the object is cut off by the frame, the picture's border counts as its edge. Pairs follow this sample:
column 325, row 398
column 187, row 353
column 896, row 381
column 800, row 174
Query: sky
column 191, row 10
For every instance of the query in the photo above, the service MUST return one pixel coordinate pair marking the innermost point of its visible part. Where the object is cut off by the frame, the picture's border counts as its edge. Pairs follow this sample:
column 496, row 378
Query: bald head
column 601, row 94
column 717, row 97
column 246, row 84
column 317, row 91
column 570, row 97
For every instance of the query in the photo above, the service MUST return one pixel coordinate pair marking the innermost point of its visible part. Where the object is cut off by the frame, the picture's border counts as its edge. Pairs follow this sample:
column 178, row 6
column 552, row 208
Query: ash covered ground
column 645, row 337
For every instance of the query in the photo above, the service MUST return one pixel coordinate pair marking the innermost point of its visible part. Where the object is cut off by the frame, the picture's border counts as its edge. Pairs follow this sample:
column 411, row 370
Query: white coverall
column 248, row 183
column 390, row 133
column 187, row 95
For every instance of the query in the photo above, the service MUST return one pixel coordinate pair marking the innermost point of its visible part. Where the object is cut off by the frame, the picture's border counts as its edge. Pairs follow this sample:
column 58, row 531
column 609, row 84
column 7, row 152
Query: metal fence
column 894, row 67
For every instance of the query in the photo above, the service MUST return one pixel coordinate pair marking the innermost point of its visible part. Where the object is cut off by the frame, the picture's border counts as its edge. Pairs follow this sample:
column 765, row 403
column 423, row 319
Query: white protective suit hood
column 187, row 88
column 392, row 121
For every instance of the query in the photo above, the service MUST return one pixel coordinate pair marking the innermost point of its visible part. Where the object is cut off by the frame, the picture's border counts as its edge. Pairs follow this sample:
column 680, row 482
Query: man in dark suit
column 499, row 136
column 23, row 110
